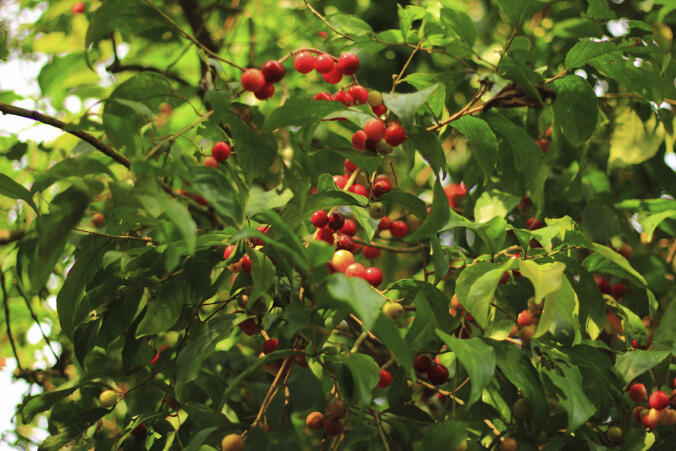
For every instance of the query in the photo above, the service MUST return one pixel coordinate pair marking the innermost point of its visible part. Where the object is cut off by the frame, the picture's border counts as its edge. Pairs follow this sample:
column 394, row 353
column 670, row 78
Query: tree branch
column 5, row 298
column 68, row 128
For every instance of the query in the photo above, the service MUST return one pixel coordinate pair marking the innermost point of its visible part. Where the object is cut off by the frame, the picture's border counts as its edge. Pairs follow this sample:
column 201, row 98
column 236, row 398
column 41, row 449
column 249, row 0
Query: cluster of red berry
column 435, row 371
column 657, row 412
column 262, row 81
column 331, row 422
column 220, row 152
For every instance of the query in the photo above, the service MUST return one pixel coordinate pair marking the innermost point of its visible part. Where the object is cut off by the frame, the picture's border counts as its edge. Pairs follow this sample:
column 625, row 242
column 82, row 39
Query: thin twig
column 326, row 22
column 118, row 237
column 401, row 250
column 175, row 136
column 270, row 394
column 5, row 298
column 35, row 318
column 381, row 431
column 403, row 69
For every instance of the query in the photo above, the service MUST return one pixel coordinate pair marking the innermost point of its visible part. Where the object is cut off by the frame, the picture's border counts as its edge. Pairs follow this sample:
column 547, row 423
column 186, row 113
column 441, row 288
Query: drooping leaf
column 575, row 109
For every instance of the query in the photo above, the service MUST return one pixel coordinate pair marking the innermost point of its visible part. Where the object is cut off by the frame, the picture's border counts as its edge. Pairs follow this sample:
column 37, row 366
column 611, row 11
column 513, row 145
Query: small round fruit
column 638, row 393
column 527, row 332
column 350, row 167
column 355, row 270
column 304, row 62
column 343, row 97
column 509, row 444
column 273, row 71
column 358, row 188
column 333, row 77
column 341, row 260
column 359, row 140
column 462, row 446
column 325, row 234
column 108, row 398
column 374, row 129
column 265, row 92
column 374, row 276
column 393, row 310
column 246, row 263
column 385, row 379
column 349, row 227
column 336, row 220
column 422, row 363
column 652, row 419
column 232, row 442
column 252, row 80
column 315, row 421
column 376, row 210
column 98, row 219
column 345, row 242
column 638, row 412
column 669, row 417
column 270, row 345
column 340, row 181
column 525, row 318
column 521, row 409
column 394, row 134
column 533, row 224
column 227, row 252
column 324, row 63
column 381, row 187
column 672, row 399
column 603, row 284
column 77, row 8
column 375, row 98
column 385, row 223
column 323, row 96
column 658, row 400
column 332, row 426
column 220, row 151
column 348, row 63
column 614, row 434
column 359, row 94
column 248, row 326
column 211, row 162
column 437, row 374
column 139, row 431
column 379, row 110
column 618, row 290
column 399, row 229
column 371, row 252
column 543, row 144
column 319, row 219
column 337, row 410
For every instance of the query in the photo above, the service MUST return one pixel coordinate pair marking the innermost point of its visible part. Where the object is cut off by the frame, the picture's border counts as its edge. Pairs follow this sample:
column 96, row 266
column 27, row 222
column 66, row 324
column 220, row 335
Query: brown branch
column 118, row 237
column 397, row 79
column 5, row 298
column 272, row 391
column 326, row 22
column 68, row 128
column 171, row 138
column 116, row 67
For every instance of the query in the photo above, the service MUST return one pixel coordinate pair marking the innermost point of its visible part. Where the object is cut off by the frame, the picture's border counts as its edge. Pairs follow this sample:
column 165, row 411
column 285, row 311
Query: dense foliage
column 426, row 224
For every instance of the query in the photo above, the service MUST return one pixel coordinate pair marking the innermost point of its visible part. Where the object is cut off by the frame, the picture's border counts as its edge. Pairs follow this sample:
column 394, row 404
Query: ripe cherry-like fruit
column 77, row 8
column 543, row 144
column 525, row 318
column 210, row 162
column 232, row 442
column 614, row 434
column 325, row 234
column 319, row 219
column 220, row 151
column 395, row 134
column 343, row 97
column 385, row 379
column 526, row 332
column 348, row 63
column 345, row 242
column 273, row 71
column 228, row 251
column 672, row 399
column 652, row 419
column 381, row 187
column 98, row 219
column 422, row 363
column 323, row 96
column 379, row 110
column 385, row 223
column 638, row 393
column 638, row 412
column 252, row 80
column 324, row 63
column 374, row 129
column 349, row 227
column 304, row 62
column 371, row 252
column 658, row 400
column 533, row 224
column 270, row 345
column 108, row 398
column 509, row 444
column 139, row 431
column 340, row 181
column 336, row 220
column 265, row 92
column 504, row 278
column 393, row 310
column 315, row 421
column 333, row 77
column 437, row 374
column 246, row 263
column 341, row 260
column 603, row 284
column 355, row 270
column 399, row 229
column 248, row 326
column 359, row 140
column 359, row 94
column 337, row 410
column 358, row 188
column 374, row 276
column 350, row 167
column 618, row 290
column 332, row 426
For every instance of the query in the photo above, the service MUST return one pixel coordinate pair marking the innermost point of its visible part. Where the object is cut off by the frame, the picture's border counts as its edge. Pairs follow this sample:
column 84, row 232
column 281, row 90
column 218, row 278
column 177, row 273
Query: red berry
column 139, row 431
column 265, row 92
column 659, row 400
column 422, row 363
column 638, row 393
column 155, row 358
column 220, row 151
column 505, row 277
column 374, row 276
column 371, row 252
column 385, row 223
column 359, row 94
column 603, row 284
column 349, row 166
column 273, row 71
column 325, row 234
column 543, row 144
column 322, row 96
column 336, row 220
column 333, row 77
column 304, row 62
column 343, row 97
column 355, row 270
column 77, row 8
column 228, row 251
column 652, row 419
column 374, row 129
column 264, row 230
column 324, row 63
column 246, row 263
column 437, row 374
column 348, row 63
column 399, row 229
column 200, row 200
column 379, row 110
column 319, row 219
column 358, row 188
column 525, row 318
column 340, row 181
column 395, row 134
column 618, row 290
column 359, row 140
column 270, row 345
column 381, row 187
column 341, row 260
column 211, row 162
column 385, row 379
column 349, row 228
column 345, row 242
column 248, row 326
column 253, row 80
column 533, row 224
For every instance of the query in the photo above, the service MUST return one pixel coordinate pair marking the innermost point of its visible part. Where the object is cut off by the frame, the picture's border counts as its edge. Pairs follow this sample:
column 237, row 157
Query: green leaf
column 260, row 200
column 493, row 204
column 576, row 403
column 575, row 109
column 408, row 201
column 599, row 9
column 300, row 112
column 478, row 359
column 585, row 50
column 219, row 192
column 560, row 313
column 122, row 16
column 446, row 435
column 643, row 79
column 331, row 198
column 518, row 10
column 619, row 260
column 364, row 374
column 36, row 404
column 437, row 218
column 13, row 190
column 439, row 259
column 369, row 225
column 650, row 222
column 72, row 427
column 427, row 144
column 388, row 332
column 459, row 23
column 353, row 295
column 522, row 74
column 69, row 167
column 256, row 147
column 632, row 364
column 406, row 105
column 475, row 288
column 164, row 308
column 665, row 334
column 546, row 278
column 199, row 438
column 482, row 140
